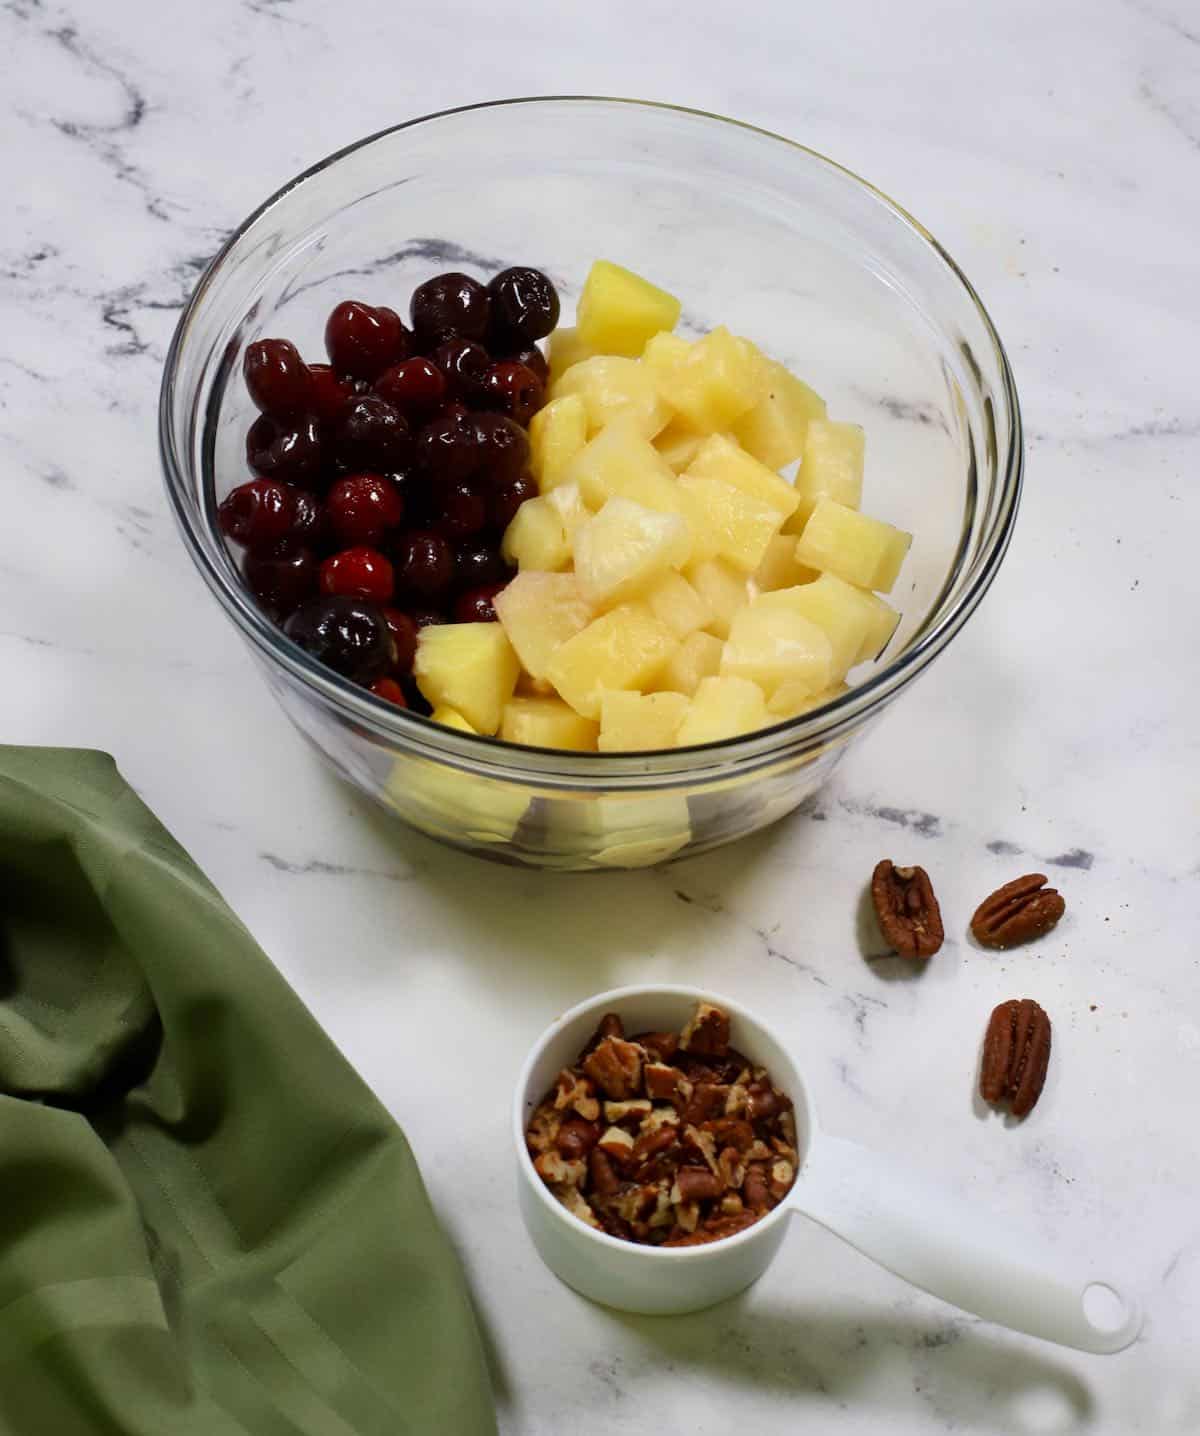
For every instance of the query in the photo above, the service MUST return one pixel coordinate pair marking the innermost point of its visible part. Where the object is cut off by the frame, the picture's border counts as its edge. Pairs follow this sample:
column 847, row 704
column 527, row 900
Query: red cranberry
column 462, row 509
column 424, row 564
column 507, row 500
column 358, row 572
column 349, row 635
column 450, row 448
column 451, row 305
column 362, row 340
column 475, row 606
column 361, row 507
column 415, row 385
column 464, row 363
column 389, row 690
column 514, row 390
column 291, row 451
column 505, row 447
column 282, row 578
column 533, row 359
column 404, row 635
column 524, row 303
column 330, row 394
column 373, row 435
column 479, row 565
column 277, row 378
column 258, row 514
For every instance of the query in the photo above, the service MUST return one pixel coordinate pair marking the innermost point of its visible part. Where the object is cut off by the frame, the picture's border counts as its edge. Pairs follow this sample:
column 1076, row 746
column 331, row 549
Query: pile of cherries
column 385, row 479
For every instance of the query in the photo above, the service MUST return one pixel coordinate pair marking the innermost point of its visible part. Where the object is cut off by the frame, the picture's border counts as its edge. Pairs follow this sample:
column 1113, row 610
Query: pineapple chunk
column 679, row 443
column 779, row 568
column 722, row 708
column 537, row 537
column 620, row 460
column 470, row 667
column 697, row 657
column 838, row 609
column 539, row 611
column 883, row 622
column 728, row 523
column 568, row 504
column 720, row 458
column 710, row 382
column 622, row 649
column 627, row 832
column 832, row 469
column 860, row 549
column 619, row 311
column 773, row 431
column 556, row 435
column 611, row 386
column 791, row 699
column 721, row 587
column 624, row 548
column 567, row 348
column 771, row 644
column 547, row 723
column 632, row 721
column 450, row 803
column 451, row 718
column 673, row 601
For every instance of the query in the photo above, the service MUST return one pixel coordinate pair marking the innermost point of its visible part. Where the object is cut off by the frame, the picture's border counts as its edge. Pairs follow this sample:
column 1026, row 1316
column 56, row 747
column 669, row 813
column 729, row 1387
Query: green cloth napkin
column 208, row 1224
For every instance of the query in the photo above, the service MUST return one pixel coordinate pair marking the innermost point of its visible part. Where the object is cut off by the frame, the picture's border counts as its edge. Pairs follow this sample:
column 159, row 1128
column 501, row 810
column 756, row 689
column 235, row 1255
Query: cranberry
column 507, row 500
column 462, row 509
column 290, row 451
column 258, row 514
column 478, row 565
column 451, row 305
column 389, row 690
column 450, row 448
column 505, row 447
column 424, row 564
column 349, row 635
column 416, row 385
column 404, row 635
column 524, row 303
column 330, row 394
column 513, row 389
column 309, row 525
column 373, row 435
column 475, row 606
column 532, row 358
column 361, row 506
column 277, row 378
column 464, row 363
column 363, row 340
column 359, row 572
column 281, row 578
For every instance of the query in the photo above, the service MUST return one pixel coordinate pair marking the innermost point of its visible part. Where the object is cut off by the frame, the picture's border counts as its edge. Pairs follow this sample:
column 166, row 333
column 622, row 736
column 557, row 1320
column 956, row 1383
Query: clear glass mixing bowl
column 817, row 267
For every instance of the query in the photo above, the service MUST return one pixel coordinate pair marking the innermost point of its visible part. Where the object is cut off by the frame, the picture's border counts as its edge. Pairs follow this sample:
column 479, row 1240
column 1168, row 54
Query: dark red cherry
column 359, row 572
column 281, row 578
column 424, row 565
column 425, row 617
column 390, row 691
column 524, row 303
column 277, row 379
column 504, row 445
column 479, row 565
column 462, row 509
column 415, row 385
column 450, row 305
column 532, row 358
column 507, row 500
column 363, row 340
column 349, row 635
column 330, row 393
column 361, row 507
column 259, row 513
column 513, row 389
column 404, row 635
column 464, row 363
column 450, row 448
column 285, row 450
column 373, row 435
column 475, row 606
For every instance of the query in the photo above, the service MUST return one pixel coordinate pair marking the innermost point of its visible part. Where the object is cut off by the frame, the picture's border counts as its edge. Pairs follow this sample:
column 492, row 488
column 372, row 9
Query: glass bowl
column 819, row 269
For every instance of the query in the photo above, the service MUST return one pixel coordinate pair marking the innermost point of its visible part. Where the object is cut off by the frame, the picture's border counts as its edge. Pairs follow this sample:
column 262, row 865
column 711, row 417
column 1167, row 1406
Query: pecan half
column 908, row 912
column 1016, row 1053
column 1018, row 912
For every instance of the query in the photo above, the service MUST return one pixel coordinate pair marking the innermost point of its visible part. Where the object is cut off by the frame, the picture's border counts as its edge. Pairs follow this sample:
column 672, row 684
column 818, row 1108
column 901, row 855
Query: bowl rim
column 518, row 762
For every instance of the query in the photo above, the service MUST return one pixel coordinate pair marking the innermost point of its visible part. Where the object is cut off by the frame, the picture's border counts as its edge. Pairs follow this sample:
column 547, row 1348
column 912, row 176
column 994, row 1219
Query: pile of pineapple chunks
column 672, row 587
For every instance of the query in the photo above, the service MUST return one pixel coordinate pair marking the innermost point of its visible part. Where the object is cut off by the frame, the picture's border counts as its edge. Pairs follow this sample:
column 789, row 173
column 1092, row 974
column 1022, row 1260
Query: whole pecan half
column 1016, row 1053
column 908, row 912
column 1018, row 912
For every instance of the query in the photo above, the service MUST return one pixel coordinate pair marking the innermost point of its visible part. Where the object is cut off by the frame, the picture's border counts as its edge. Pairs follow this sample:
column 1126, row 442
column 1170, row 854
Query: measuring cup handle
column 952, row 1248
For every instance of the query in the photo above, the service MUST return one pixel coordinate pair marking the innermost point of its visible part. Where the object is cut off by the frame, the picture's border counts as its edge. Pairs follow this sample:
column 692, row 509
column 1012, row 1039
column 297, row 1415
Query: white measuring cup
column 938, row 1241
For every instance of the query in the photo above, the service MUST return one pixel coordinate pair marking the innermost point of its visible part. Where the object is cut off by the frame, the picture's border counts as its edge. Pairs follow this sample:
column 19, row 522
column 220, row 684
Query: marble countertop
column 1055, row 149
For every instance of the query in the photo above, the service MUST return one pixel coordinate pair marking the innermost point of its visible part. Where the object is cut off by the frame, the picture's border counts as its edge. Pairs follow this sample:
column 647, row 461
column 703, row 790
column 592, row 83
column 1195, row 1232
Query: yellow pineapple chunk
column 720, row 458
column 722, row 587
column 537, row 537
column 611, row 387
column 791, row 699
column 547, row 723
column 567, row 348
column 673, row 601
column 832, row 469
column 679, row 443
column 710, row 382
column 860, row 549
column 556, row 435
column 621, row 460
column 568, row 504
column 624, row 548
column 470, row 667
column 632, row 721
column 619, row 311
column 626, row 832
column 779, row 568
column 769, row 643
column 727, row 523
column 442, row 800
column 622, row 649
column 882, row 624
column 838, row 609
column 539, row 611
column 722, row 708
column 774, row 429
column 451, row 718
column 697, row 657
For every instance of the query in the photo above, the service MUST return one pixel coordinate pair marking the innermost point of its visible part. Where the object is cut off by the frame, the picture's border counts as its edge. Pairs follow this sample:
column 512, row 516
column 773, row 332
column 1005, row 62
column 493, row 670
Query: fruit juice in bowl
column 637, row 628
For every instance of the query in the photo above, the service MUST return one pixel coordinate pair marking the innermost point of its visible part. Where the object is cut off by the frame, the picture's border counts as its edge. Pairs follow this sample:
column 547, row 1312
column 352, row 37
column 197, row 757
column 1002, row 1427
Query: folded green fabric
column 208, row 1224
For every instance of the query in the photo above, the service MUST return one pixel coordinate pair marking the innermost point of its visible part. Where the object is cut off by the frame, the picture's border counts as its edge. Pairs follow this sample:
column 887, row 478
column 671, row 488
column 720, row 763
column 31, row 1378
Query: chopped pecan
column 687, row 1217
column 634, row 1110
column 616, row 1068
column 657, row 1139
column 695, row 1184
column 600, row 1169
column 542, row 1129
column 576, row 1138
column 703, row 1143
column 707, row 1100
column 662, row 1081
column 1018, row 912
column 1016, row 1054
column 658, row 1117
column 908, row 912
column 610, row 1026
column 713, row 1231
column 783, row 1174
column 707, row 1034
column 578, row 1205
column 553, row 1168
column 737, row 1098
column 662, row 1045
column 572, row 1090
column 730, row 1205
column 731, row 1132
column 756, row 1191
column 764, row 1101
column 758, row 1151
column 617, row 1144
column 731, row 1167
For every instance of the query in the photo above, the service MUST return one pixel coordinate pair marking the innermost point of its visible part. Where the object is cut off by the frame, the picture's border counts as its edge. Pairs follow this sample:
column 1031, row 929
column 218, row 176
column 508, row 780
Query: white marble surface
column 1056, row 151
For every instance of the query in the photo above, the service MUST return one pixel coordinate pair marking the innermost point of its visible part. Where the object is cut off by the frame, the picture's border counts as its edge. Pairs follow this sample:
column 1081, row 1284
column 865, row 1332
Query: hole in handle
column 1104, row 1308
